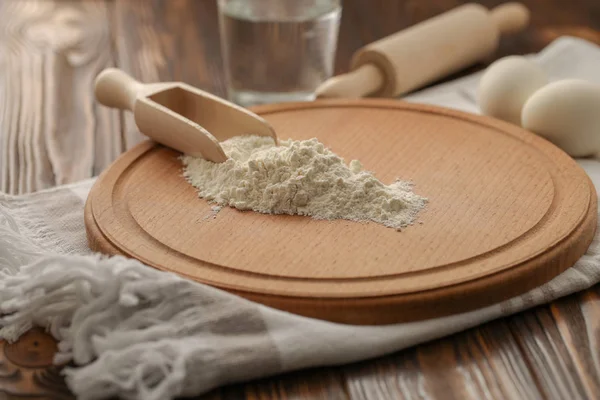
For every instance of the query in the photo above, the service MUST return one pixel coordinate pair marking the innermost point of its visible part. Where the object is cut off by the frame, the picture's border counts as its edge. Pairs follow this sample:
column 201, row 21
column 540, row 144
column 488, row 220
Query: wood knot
column 34, row 349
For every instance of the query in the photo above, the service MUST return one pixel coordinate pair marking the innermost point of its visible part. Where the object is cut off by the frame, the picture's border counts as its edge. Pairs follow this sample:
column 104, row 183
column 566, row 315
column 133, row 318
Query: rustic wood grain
column 562, row 342
column 317, row 384
column 549, row 352
column 482, row 363
column 52, row 130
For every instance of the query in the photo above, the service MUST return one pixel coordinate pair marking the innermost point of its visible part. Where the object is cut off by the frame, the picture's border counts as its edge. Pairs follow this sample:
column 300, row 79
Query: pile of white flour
column 300, row 177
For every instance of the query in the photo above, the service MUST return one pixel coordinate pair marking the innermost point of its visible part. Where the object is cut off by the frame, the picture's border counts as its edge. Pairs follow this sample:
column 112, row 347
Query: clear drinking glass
column 277, row 50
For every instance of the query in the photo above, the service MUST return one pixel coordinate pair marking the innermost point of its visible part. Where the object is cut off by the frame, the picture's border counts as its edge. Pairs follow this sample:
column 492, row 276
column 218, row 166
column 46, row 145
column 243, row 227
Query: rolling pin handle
column 358, row 83
column 114, row 88
column 510, row 17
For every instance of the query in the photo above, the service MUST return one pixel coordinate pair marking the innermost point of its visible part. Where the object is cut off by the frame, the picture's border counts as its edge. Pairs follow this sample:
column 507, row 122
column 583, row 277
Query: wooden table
column 50, row 52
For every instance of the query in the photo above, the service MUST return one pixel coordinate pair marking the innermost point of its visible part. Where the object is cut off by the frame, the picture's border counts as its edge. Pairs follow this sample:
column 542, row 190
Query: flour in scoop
column 300, row 177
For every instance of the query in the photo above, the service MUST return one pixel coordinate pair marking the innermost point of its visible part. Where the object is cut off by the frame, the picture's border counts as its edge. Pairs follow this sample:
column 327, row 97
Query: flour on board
column 300, row 177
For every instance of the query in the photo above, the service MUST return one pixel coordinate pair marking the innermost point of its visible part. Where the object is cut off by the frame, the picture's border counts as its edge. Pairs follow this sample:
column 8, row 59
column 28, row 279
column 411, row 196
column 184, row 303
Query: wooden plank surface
column 50, row 51
column 53, row 132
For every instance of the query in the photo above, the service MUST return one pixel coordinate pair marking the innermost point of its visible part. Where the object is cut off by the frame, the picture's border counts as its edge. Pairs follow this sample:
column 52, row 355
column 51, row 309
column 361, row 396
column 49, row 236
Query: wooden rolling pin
column 428, row 51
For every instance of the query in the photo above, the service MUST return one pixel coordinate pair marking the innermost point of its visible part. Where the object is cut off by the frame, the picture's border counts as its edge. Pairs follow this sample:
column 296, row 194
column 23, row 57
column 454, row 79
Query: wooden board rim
column 586, row 226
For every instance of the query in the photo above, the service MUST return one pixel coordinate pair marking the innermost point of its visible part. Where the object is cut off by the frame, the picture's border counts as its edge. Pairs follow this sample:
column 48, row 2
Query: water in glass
column 277, row 50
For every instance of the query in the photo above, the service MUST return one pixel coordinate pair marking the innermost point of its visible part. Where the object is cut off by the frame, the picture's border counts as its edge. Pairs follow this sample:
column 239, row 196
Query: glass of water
column 277, row 50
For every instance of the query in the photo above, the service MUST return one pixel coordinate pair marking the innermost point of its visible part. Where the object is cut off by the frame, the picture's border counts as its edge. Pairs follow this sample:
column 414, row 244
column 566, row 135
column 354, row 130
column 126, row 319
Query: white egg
column 567, row 113
column 506, row 85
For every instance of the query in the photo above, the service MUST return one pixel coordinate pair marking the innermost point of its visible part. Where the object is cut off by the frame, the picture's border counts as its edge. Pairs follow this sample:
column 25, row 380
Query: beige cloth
column 140, row 333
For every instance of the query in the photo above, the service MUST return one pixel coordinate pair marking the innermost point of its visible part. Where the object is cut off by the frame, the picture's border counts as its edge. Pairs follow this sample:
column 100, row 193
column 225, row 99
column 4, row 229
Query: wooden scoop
column 178, row 115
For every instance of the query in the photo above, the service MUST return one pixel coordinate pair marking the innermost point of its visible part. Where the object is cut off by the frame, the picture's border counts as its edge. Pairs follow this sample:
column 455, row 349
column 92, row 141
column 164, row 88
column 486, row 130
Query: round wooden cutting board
column 507, row 212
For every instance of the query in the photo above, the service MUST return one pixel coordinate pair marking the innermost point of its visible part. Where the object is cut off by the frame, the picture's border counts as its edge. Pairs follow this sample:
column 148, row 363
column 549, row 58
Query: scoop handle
column 114, row 88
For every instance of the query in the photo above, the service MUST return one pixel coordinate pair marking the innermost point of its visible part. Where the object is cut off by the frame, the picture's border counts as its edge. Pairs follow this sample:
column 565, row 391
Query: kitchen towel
column 136, row 332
